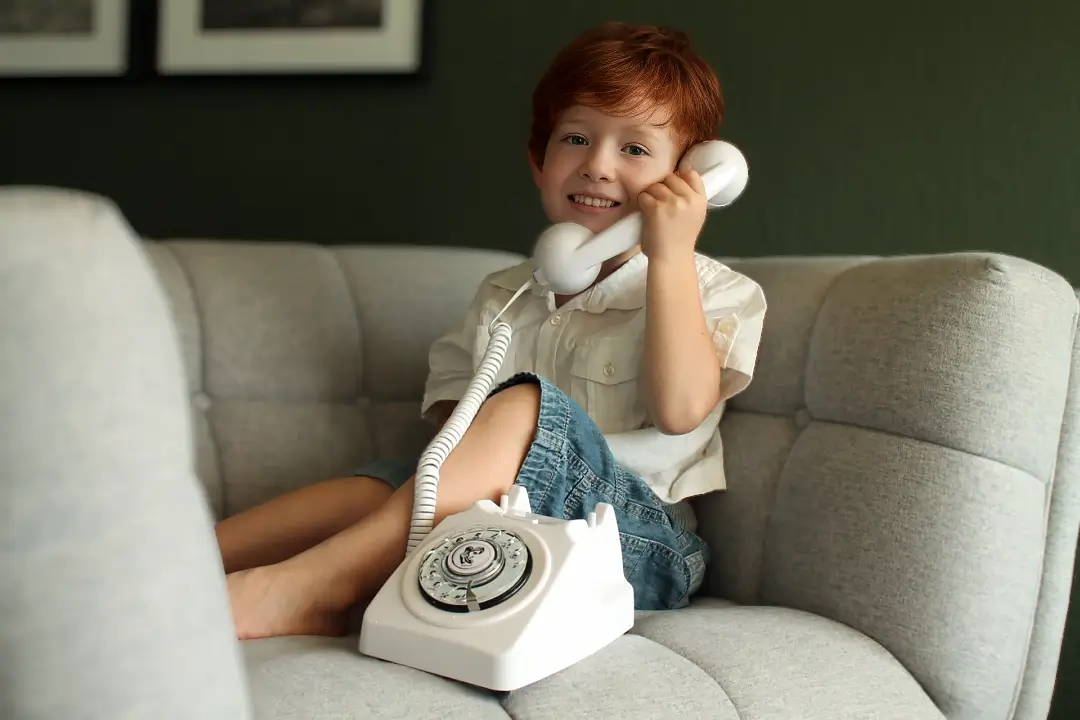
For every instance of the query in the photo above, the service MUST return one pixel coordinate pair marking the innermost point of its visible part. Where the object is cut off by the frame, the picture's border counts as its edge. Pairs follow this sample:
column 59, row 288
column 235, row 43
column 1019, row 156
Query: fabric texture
column 1059, row 560
column 112, row 599
column 591, row 348
column 908, row 480
column 775, row 662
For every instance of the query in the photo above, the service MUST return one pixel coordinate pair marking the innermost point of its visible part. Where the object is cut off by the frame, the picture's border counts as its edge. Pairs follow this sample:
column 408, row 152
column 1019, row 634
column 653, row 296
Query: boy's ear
column 536, row 171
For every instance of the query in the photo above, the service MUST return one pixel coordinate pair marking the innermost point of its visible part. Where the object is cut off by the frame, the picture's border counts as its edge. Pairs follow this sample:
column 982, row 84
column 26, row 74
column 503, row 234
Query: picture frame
column 64, row 38
column 284, row 37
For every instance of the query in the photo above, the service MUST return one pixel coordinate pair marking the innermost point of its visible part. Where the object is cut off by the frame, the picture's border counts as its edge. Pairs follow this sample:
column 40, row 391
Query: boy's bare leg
column 296, row 521
column 311, row 593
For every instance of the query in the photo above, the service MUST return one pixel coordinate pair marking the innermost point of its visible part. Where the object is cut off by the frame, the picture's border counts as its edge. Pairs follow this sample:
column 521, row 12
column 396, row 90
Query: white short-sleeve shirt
column 591, row 348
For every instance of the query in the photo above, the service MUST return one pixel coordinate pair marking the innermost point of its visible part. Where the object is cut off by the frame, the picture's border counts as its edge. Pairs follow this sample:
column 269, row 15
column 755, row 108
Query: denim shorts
column 568, row 470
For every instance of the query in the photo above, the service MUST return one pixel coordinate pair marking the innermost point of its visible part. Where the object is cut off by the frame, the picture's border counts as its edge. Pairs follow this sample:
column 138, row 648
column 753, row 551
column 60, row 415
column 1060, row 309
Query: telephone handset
column 501, row 597
column 567, row 257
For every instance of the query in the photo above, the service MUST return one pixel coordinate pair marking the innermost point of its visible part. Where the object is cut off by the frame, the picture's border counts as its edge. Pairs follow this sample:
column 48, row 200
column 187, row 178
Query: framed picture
column 64, row 37
column 289, row 36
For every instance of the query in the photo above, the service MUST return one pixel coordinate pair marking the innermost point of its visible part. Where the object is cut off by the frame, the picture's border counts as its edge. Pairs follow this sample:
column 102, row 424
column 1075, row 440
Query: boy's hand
column 440, row 412
column 673, row 212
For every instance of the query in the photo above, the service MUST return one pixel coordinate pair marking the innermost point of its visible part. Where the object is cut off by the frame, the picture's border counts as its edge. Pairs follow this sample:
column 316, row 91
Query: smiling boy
column 612, row 395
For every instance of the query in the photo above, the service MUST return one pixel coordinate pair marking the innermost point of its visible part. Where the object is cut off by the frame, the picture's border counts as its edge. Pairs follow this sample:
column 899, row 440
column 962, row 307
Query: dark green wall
column 869, row 128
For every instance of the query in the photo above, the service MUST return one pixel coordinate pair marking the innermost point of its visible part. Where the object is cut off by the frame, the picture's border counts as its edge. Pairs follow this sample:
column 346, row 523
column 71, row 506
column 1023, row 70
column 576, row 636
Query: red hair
column 621, row 69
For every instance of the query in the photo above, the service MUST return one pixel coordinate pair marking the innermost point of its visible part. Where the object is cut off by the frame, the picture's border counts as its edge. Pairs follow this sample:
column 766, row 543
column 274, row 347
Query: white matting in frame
column 186, row 47
column 83, row 38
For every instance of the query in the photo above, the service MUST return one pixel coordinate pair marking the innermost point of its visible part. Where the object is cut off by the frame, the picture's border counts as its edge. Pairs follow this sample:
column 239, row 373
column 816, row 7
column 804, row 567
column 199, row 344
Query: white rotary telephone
column 500, row 597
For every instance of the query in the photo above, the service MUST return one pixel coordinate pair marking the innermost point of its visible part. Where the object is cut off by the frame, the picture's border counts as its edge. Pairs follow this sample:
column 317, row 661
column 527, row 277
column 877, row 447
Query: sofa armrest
column 112, row 602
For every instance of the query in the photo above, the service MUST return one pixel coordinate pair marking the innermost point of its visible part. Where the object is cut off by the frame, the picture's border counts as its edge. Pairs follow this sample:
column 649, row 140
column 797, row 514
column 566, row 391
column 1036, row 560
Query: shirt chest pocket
column 606, row 381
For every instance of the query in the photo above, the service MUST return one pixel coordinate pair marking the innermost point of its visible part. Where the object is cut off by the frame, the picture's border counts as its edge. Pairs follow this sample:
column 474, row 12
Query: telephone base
column 499, row 597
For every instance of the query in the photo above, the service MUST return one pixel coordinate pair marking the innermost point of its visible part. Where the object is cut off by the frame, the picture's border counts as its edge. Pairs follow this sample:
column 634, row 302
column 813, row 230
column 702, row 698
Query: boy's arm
column 681, row 365
column 700, row 342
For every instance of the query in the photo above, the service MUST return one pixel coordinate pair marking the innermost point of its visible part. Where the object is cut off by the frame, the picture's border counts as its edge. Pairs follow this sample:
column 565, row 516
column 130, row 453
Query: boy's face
column 596, row 165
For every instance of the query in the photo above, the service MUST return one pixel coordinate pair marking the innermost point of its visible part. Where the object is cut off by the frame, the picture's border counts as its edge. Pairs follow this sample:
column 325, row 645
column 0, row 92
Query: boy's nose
column 597, row 167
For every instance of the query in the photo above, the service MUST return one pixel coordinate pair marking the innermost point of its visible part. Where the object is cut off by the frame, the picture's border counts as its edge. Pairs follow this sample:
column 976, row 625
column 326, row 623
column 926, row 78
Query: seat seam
column 361, row 345
column 360, row 388
column 706, row 673
column 890, row 433
column 923, row 441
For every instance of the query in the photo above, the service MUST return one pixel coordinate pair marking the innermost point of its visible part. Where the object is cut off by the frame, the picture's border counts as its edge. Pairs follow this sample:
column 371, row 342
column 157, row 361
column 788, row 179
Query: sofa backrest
column 305, row 362
column 898, row 464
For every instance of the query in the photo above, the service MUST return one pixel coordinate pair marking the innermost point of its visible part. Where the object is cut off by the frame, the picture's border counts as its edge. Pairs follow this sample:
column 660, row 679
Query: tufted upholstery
column 876, row 477
column 304, row 362
column 898, row 535
column 910, row 431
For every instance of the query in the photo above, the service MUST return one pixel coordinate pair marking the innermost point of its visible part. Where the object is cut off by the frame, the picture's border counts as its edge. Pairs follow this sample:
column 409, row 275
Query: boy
column 612, row 395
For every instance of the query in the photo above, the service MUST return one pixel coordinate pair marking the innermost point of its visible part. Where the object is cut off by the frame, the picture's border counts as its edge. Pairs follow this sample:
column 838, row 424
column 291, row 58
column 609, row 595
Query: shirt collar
column 623, row 289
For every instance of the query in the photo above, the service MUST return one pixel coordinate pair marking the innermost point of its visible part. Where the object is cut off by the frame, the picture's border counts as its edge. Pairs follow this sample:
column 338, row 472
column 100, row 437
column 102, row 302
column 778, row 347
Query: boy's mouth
column 591, row 202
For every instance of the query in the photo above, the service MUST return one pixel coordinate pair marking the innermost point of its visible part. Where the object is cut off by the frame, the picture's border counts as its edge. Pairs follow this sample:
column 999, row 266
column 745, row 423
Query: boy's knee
column 517, row 406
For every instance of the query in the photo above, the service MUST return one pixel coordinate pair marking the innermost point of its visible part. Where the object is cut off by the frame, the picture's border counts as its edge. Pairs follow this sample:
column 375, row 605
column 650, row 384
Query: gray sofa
column 897, row 540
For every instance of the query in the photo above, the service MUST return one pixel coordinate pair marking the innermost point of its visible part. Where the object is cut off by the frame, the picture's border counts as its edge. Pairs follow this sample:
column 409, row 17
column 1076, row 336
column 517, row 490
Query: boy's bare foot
column 272, row 601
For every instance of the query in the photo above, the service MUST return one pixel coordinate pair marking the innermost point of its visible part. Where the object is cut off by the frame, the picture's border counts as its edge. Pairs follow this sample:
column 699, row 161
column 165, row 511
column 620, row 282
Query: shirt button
column 609, row 369
column 555, row 319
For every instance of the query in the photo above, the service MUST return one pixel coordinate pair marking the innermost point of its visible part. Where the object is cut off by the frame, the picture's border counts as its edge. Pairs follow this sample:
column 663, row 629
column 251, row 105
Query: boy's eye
column 636, row 150
column 576, row 140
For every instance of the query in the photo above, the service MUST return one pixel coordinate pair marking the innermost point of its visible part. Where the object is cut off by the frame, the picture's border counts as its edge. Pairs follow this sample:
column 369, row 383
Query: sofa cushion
column 631, row 677
column 711, row 660
column 780, row 663
column 327, row 677
column 311, row 677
